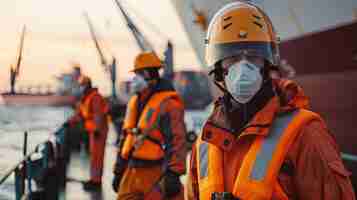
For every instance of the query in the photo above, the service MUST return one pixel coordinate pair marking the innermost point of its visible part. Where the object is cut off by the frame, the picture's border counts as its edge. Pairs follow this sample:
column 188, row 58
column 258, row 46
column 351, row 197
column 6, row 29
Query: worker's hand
column 96, row 133
column 116, row 182
column 119, row 169
column 69, row 124
column 171, row 184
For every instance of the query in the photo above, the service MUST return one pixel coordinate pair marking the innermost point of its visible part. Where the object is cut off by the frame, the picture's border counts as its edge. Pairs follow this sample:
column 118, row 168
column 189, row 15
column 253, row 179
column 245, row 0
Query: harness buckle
column 135, row 130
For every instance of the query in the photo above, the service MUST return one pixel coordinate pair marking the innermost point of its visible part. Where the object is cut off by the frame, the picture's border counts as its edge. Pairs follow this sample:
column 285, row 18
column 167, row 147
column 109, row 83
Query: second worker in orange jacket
column 151, row 156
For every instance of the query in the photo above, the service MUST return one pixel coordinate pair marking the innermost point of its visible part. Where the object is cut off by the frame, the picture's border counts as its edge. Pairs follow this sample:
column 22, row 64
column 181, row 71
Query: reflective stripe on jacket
column 257, row 177
column 150, row 148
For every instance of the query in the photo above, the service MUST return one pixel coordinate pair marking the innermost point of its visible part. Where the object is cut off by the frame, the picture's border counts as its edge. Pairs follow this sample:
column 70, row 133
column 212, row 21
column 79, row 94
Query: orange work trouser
column 138, row 182
column 97, row 150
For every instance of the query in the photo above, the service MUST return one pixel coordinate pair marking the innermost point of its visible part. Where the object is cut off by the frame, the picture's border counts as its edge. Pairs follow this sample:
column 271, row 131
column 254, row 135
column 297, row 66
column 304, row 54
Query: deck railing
column 35, row 166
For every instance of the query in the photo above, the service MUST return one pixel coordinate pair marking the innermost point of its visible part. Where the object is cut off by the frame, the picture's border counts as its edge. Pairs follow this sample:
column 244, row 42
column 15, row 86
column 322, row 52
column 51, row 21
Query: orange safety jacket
column 151, row 147
column 257, row 176
column 87, row 113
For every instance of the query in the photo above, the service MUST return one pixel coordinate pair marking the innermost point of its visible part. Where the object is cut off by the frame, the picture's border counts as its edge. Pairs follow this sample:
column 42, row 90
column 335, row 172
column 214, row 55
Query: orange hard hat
column 84, row 80
column 147, row 60
column 241, row 27
column 76, row 65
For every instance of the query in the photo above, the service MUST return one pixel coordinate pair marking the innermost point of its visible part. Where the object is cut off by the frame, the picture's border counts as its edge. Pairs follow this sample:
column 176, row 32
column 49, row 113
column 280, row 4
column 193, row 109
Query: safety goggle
column 254, row 58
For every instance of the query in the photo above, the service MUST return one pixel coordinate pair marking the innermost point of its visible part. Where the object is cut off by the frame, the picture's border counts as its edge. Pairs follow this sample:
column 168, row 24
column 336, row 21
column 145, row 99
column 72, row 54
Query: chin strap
column 222, row 88
column 217, row 73
column 226, row 92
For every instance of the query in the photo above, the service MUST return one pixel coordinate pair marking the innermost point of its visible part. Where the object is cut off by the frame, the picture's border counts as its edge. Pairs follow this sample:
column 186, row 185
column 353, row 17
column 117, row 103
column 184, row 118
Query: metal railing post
column 29, row 176
column 19, row 183
column 25, row 144
column 27, row 166
column 20, row 172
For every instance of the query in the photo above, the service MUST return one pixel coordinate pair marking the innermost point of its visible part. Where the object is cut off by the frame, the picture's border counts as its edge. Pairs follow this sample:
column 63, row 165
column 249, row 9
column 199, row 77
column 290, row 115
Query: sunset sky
column 57, row 35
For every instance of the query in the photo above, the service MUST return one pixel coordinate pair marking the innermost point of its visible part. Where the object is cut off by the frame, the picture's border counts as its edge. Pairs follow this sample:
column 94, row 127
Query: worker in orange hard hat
column 76, row 76
column 151, row 155
column 77, row 72
column 261, row 141
column 92, row 111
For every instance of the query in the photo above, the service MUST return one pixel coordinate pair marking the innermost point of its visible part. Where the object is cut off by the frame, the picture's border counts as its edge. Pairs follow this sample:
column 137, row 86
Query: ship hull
column 37, row 100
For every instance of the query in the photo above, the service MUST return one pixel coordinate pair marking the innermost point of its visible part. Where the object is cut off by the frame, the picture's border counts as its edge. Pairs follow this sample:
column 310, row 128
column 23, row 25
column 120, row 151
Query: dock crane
column 15, row 71
column 117, row 108
column 108, row 66
column 145, row 45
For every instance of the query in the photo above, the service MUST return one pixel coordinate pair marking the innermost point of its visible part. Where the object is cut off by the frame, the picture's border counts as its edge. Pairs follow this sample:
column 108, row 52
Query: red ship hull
column 326, row 65
column 37, row 99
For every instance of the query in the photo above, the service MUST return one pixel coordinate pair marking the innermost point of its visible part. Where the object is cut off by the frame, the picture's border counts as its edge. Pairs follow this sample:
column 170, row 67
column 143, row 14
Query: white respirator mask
column 138, row 84
column 82, row 89
column 243, row 80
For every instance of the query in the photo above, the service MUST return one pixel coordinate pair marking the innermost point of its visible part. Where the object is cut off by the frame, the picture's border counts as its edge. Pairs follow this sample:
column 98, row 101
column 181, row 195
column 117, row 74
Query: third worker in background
column 260, row 142
column 92, row 112
column 151, row 155
column 76, row 77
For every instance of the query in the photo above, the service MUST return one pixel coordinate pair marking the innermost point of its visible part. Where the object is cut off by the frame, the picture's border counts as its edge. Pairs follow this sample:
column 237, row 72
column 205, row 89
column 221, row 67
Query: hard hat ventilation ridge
column 226, row 26
column 227, row 18
column 258, row 24
column 257, row 17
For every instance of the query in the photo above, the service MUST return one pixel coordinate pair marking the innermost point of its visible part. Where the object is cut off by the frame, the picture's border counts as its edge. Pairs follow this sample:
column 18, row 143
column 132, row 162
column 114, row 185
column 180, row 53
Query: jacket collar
column 261, row 122
column 290, row 97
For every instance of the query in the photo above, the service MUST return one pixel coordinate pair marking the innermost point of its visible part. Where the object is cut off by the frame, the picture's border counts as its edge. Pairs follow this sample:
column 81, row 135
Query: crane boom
column 95, row 40
column 21, row 47
column 109, row 67
column 143, row 44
